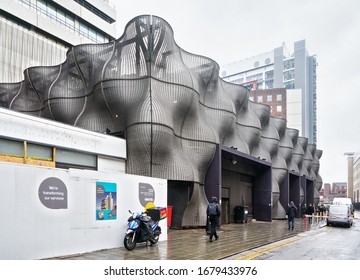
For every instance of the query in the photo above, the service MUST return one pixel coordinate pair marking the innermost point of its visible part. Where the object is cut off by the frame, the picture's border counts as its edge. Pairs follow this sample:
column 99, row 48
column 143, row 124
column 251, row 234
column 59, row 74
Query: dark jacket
column 292, row 211
column 310, row 210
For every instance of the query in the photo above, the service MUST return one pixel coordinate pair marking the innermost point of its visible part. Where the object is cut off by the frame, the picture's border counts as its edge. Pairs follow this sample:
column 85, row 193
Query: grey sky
column 230, row 30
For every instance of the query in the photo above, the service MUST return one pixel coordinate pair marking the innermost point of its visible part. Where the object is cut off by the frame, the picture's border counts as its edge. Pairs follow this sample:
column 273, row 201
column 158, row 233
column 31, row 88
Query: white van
column 344, row 200
column 339, row 214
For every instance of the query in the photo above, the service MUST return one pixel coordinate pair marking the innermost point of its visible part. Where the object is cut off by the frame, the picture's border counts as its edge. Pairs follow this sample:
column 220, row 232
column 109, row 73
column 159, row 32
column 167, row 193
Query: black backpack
column 212, row 209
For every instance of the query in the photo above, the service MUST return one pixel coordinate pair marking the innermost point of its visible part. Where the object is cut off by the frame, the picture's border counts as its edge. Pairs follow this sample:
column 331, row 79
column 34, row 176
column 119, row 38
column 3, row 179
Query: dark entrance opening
column 310, row 192
column 240, row 179
column 225, row 204
column 294, row 190
column 179, row 194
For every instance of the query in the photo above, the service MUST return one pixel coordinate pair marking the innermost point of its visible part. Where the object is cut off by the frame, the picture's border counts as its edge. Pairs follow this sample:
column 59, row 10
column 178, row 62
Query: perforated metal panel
column 171, row 104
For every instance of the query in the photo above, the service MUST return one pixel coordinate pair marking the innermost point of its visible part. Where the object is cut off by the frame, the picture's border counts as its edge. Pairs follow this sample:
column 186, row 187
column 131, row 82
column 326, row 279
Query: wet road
column 326, row 243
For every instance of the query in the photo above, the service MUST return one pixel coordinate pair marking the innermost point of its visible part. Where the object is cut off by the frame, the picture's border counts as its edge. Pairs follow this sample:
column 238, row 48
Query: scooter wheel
column 128, row 242
column 155, row 239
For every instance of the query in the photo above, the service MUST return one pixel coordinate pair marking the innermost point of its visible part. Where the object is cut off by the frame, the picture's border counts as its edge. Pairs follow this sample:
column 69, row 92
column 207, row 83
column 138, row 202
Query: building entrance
column 239, row 188
column 225, row 205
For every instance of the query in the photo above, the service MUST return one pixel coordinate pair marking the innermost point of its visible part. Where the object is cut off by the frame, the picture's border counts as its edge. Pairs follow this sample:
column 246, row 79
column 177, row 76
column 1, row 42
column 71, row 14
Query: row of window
column 269, row 98
column 288, row 76
column 65, row 19
column 63, row 158
column 255, row 85
column 278, row 107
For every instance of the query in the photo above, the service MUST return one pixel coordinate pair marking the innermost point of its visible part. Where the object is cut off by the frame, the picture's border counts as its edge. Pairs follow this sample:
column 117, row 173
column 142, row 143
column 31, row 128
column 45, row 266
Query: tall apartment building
column 39, row 32
column 295, row 72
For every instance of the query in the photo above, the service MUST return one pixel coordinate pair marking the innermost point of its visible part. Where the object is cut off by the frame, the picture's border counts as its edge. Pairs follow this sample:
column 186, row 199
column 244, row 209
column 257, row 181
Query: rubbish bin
column 169, row 215
column 241, row 214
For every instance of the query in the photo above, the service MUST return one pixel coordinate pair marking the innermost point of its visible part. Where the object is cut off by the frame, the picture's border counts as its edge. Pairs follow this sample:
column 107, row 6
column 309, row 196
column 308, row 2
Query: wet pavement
column 193, row 244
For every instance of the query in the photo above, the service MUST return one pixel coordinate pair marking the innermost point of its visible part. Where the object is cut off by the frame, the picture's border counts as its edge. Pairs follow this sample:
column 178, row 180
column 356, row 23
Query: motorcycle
column 141, row 228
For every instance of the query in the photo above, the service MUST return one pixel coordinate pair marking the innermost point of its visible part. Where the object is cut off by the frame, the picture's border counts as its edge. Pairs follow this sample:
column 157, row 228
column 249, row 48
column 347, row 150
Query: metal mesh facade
column 171, row 104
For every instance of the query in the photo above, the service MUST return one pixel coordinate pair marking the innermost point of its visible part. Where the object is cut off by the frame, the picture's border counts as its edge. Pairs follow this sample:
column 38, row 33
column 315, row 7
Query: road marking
column 256, row 253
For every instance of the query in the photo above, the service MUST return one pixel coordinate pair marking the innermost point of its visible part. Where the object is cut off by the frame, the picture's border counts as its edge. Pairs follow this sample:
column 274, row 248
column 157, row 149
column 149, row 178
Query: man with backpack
column 291, row 213
column 213, row 213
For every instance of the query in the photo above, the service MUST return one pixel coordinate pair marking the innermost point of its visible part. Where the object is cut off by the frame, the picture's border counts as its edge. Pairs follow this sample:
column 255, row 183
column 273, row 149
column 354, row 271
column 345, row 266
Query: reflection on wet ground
column 193, row 244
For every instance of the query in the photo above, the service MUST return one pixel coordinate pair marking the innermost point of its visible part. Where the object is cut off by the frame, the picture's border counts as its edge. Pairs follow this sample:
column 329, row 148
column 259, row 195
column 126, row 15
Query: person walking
column 291, row 213
column 310, row 211
column 303, row 210
column 213, row 213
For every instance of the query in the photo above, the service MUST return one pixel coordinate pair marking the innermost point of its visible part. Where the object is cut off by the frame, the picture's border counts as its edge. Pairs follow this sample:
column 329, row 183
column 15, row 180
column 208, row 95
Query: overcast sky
column 230, row 30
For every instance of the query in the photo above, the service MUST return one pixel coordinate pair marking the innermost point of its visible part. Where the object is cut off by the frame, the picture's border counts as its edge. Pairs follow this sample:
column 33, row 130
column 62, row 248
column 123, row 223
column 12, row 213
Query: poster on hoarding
column 106, row 204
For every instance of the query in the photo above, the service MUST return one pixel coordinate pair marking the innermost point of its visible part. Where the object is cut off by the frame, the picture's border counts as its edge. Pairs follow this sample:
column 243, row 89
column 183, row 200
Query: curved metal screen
column 171, row 104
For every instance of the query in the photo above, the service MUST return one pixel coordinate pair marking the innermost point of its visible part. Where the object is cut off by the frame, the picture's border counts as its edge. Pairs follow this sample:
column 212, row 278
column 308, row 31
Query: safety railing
column 315, row 220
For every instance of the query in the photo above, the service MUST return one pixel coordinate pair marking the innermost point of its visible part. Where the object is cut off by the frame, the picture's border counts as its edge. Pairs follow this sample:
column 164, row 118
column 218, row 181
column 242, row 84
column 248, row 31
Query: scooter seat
column 145, row 218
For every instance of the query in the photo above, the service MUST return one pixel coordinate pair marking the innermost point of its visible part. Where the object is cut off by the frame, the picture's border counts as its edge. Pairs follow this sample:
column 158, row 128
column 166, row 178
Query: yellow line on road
column 257, row 253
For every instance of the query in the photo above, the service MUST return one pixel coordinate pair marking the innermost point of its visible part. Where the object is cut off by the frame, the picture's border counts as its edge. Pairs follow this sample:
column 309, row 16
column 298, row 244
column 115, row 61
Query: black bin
column 241, row 214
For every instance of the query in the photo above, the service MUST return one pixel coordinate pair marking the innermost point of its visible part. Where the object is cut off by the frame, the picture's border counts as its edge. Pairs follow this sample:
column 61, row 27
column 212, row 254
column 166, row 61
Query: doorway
column 225, row 205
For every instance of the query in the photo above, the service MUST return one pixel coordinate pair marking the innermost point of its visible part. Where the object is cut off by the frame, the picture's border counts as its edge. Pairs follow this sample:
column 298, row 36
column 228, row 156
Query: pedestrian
column 291, row 213
column 213, row 214
column 303, row 210
column 310, row 211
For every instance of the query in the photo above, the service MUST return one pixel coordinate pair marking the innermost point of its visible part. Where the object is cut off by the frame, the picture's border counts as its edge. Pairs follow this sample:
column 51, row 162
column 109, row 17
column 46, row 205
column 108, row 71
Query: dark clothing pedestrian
column 303, row 210
column 213, row 214
column 321, row 209
column 310, row 211
column 291, row 213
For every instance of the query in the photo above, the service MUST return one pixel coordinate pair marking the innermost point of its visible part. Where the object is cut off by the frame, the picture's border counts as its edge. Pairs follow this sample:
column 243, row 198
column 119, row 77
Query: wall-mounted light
column 234, row 161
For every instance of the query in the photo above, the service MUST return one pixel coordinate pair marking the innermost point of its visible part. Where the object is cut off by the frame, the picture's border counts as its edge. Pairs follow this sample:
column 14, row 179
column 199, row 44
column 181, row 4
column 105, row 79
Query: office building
column 294, row 71
column 39, row 32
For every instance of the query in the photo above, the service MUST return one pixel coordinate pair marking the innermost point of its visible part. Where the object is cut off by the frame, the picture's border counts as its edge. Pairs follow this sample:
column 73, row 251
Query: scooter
column 141, row 228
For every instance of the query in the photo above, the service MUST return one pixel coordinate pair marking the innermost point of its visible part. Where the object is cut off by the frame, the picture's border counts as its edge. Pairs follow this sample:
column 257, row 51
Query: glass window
column 260, row 99
column 269, row 98
column 254, row 77
column 41, row 4
column 61, row 16
column 289, row 64
column 279, row 97
column 251, row 98
column 25, row 2
column 269, row 75
column 84, row 29
column 51, row 11
column 100, row 38
column 73, row 159
column 289, row 75
column 92, row 34
column 269, row 84
column 11, row 148
column 39, row 152
column 289, row 85
column 70, row 20
column 278, row 108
